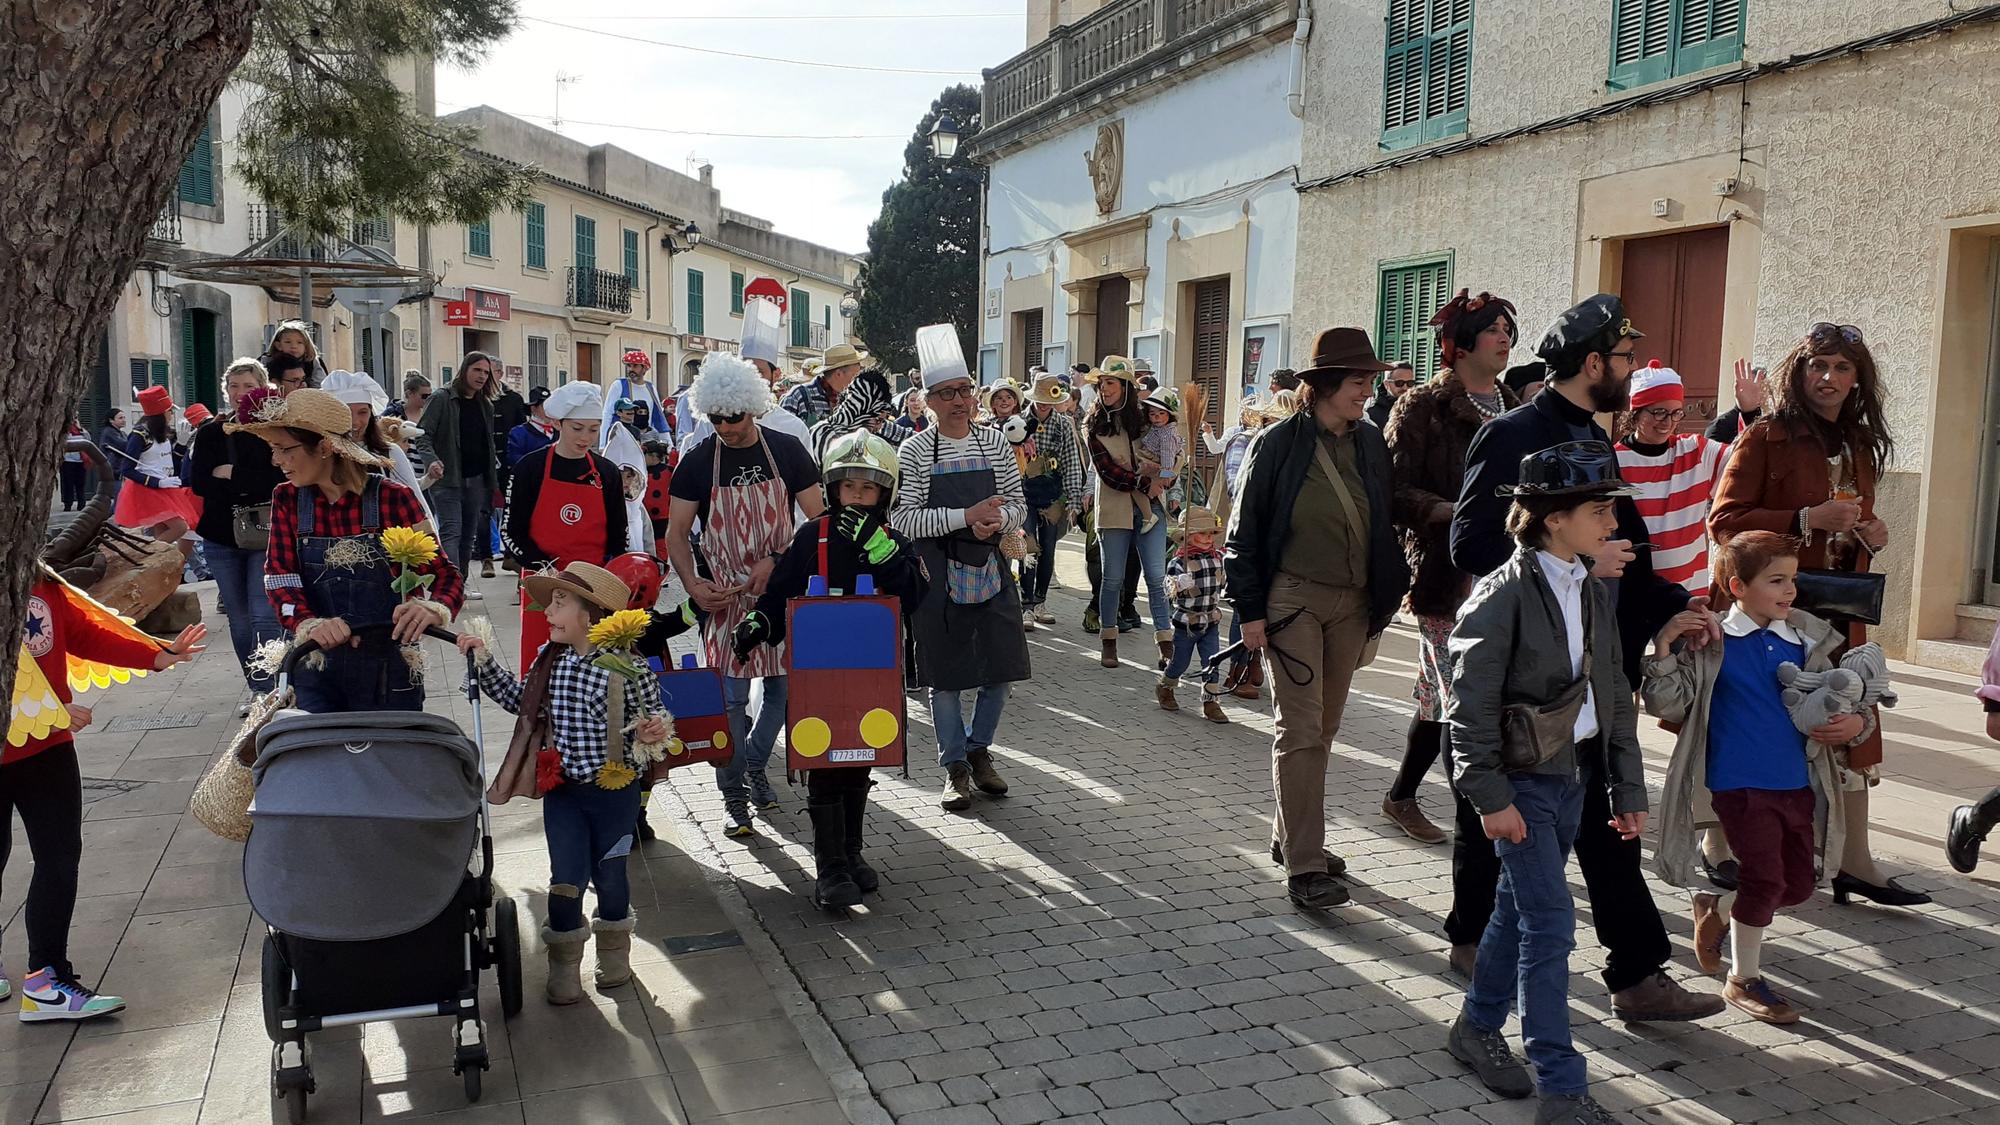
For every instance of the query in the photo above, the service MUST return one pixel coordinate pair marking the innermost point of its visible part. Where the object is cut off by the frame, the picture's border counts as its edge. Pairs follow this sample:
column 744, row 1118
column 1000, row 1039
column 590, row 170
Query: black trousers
column 47, row 790
column 74, row 491
column 1621, row 904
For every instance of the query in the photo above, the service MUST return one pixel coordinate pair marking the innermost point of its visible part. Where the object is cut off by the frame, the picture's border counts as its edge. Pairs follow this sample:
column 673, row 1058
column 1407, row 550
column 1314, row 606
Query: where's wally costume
column 635, row 386
column 153, row 493
column 1676, row 482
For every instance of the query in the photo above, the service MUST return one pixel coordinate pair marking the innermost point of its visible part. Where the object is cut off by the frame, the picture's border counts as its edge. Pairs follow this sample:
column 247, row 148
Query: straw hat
column 1007, row 385
column 1048, row 391
column 593, row 584
column 1113, row 367
column 315, row 412
column 843, row 355
column 1197, row 521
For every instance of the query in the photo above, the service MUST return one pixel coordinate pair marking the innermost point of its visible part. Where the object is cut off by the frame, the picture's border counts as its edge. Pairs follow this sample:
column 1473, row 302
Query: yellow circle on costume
column 721, row 740
column 811, row 737
column 878, row 728
column 676, row 747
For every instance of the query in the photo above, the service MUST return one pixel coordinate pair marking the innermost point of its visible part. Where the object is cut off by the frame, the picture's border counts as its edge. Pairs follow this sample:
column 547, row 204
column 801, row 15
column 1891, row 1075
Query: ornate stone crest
column 1106, row 163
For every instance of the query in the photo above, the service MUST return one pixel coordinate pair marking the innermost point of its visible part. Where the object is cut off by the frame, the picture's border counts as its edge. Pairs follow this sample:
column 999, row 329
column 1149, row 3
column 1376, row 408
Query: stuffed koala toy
column 1816, row 698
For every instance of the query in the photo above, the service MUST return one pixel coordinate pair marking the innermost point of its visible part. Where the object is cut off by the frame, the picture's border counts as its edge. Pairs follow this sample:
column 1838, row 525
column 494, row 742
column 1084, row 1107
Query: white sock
column 1746, row 944
column 1714, row 847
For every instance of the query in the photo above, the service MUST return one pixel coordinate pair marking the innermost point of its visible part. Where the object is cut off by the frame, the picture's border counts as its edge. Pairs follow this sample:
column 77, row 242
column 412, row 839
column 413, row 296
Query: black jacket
column 1379, row 407
column 901, row 577
column 509, row 410
column 249, row 483
column 1274, row 470
column 1730, row 423
column 1479, row 539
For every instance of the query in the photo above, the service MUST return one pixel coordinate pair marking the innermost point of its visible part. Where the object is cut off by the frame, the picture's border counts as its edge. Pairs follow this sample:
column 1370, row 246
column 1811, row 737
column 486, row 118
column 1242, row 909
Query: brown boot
column 1109, row 639
column 1464, row 958
column 1757, row 998
column 1407, row 816
column 1711, row 930
column 1247, row 690
column 1658, row 998
column 1164, row 692
column 1166, row 642
column 1257, row 672
column 1212, row 711
column 984, row 777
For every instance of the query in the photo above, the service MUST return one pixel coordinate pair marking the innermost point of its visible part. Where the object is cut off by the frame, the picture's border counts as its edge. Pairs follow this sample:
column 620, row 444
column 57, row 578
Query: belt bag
column 1841, row 594
column 251, row 527
column 1534, row 733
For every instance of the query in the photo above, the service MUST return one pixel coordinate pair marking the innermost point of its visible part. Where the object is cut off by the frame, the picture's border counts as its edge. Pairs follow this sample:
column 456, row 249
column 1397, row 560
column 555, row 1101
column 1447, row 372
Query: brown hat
column 593, row 584
column 1338, row 353
column 314, row 411
column 1198, row 521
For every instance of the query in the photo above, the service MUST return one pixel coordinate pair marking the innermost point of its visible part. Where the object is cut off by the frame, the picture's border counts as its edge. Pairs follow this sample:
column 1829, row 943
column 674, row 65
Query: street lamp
column 849, row 306
column 944, row 137
column 692, row 233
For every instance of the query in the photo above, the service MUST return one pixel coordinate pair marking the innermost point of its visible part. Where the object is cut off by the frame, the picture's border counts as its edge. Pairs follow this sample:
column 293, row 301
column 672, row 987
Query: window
column 735, row 292
column 479, row 239
column 538, row 237
column 376, row 231
column 198, row 170
column 586, row 243
column 801, row 319
column 1426, row 71
column 826, row 318
column 697, row 307
column 632, row 258
column 1411, row 292
column 1653, row 40
column 538, row 360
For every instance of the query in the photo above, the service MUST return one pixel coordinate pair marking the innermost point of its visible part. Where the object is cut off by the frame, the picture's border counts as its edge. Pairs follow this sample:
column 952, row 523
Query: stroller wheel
column 507, row 956
column 471, row 1077
column 277, row 987
column 295, row 1106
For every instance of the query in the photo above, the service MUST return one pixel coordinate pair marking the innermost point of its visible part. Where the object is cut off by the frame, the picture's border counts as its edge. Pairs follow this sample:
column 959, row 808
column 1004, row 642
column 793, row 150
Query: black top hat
column 1593, row 325
column 1340, row 352
column 1574, row 468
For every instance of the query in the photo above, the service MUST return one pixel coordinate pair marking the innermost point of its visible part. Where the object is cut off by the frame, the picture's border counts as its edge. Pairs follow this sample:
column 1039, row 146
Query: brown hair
column 1748, row 554
column 1861, row 428
column 462, row 388
column 348, row 476
column 1527, row 519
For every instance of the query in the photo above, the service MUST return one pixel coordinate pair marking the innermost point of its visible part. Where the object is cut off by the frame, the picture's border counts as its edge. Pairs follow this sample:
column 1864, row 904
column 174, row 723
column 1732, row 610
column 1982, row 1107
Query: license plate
column 863, row 755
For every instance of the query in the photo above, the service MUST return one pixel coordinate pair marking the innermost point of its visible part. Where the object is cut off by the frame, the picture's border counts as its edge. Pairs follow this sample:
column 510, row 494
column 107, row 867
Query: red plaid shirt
column 342, row 517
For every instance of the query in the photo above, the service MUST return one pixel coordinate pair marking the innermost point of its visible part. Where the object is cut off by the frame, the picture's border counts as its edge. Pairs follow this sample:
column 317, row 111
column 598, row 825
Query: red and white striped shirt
column 1675, row 488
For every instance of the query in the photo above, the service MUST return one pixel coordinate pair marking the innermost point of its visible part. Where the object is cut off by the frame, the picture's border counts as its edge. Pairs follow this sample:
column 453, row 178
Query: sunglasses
column 727, row 419
column 1826, row 330
column 1402, row 382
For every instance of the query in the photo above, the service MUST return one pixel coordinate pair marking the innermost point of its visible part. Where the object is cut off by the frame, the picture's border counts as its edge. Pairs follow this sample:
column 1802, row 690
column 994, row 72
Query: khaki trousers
column 1326, row 640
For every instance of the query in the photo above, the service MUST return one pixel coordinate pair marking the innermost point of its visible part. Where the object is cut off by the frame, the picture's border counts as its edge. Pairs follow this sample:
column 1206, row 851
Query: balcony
column 1114, row 49
column 167, row 226
column 808, row 337
column 597, row 296
column 272, row 237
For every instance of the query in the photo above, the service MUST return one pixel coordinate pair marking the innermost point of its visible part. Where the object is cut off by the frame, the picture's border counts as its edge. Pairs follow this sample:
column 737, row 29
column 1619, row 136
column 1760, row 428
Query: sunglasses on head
column 727, row 419
column 1826, row 330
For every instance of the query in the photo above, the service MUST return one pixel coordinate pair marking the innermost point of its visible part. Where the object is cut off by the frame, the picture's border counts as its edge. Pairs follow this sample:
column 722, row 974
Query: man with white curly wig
column 761, row 349
column 746, row 484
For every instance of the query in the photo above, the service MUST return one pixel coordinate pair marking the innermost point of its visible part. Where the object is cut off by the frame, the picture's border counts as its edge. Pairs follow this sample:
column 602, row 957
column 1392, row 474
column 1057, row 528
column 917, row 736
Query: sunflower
column 619, row 631
column 616, row 775
column 408, row 547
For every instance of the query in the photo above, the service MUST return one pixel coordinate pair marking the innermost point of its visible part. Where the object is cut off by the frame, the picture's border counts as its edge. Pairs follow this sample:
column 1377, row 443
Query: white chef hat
column 575, row 400
column 760, row 331
column 939, row 355
column 356, row 388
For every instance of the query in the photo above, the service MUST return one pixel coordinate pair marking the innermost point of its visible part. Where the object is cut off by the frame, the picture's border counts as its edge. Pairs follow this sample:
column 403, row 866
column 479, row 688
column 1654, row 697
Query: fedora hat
column 1048, row 391
column 1340, row 352
column 593, row 584
column 315, row 412
column 843, row 355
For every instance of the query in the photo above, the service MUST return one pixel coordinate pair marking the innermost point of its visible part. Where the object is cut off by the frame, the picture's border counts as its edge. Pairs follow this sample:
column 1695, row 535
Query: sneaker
column 1127, row 622
column 1027, row 621
column 957, row 796
column 243, row 709
column 6, row 989
column 1658, row 998
column 1572, row 1109
column 1315, row 891
column 1090, row 621
column 56, row 994
column 736, row 820
column 1711, row 930
column 1499, row 1069
column 1043, row 616
column 761, row 793
column 1961, row 842
column 1758, row 999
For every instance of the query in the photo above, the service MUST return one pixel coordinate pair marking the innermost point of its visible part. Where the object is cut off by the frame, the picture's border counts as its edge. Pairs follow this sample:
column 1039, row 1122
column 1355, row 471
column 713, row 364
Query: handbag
column 1534, row 733
column 1849, row 595
column 249, row 525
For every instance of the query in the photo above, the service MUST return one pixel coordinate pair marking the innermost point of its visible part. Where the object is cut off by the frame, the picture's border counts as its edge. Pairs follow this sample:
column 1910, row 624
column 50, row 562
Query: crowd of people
column 1560, row 577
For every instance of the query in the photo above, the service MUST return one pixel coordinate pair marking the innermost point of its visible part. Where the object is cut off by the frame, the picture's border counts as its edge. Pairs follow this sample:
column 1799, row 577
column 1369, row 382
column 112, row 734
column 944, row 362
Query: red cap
column 196, row 414
column 155, row 400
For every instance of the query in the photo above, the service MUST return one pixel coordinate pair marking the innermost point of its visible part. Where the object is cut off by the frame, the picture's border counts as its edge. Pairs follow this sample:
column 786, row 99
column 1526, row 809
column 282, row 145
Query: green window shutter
column 632, row 258
column 586, row 243
column 538, row 236
column 697, row 306
column 1403, row 74
column 801, row 310
column 736, row 292
column 187, row 392
column 198, row 171
column 1409, row 294
column 1709, row 33
column 1641, row 42
column 1426, row 71
column 140, row 378
column 162, row 372
column 479, row 239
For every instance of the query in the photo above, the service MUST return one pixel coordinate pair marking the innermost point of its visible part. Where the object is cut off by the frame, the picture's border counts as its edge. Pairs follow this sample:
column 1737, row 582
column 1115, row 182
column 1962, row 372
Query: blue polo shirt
column 1752, row 743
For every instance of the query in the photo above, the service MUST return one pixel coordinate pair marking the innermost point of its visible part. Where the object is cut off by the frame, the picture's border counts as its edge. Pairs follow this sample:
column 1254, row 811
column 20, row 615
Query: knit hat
column 575, row 400
column 1656, row 383
column 356, row 389
column 315, row 412
column 728, row 384
column 1465, row 317
column 156, row 401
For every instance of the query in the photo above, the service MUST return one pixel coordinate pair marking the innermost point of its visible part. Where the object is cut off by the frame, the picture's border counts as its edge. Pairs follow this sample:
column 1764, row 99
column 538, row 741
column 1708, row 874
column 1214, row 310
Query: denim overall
column 369, row 673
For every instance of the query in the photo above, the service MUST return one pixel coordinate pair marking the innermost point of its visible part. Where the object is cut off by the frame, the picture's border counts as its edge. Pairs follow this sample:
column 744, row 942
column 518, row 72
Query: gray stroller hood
column 364, row 824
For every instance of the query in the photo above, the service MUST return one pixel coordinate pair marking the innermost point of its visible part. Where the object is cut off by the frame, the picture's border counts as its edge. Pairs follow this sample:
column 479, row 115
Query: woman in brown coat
column 1809, row 470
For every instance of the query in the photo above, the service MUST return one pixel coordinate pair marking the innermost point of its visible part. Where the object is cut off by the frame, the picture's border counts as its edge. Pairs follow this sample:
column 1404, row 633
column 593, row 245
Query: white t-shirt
column 1567, row 580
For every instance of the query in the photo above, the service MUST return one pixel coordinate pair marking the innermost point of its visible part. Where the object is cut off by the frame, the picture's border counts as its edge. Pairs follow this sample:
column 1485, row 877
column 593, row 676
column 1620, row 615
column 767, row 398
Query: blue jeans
column 1206, row 640
column 1038, row 570
column 1524, row 955
column 1152, row 561
column 955, row 738
column 752, row 736
column 239, row 584
column 459, row 511
column 589, row 833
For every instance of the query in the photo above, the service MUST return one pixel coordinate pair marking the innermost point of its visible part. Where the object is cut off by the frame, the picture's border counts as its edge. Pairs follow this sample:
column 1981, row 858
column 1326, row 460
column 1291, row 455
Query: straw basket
column 221, row 800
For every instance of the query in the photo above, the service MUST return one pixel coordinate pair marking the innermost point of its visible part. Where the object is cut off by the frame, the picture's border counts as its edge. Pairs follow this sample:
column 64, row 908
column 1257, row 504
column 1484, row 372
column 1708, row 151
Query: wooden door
column 1673, row 286
column 586, row 363
column 1113, row 329
column 1211, row 357
column 1031, row 344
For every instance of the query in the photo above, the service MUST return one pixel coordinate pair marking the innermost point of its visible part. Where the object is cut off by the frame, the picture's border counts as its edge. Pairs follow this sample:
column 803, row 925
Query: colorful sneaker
column 53, row 994
column 762, row 794
column 736, row 820
column 6, row 989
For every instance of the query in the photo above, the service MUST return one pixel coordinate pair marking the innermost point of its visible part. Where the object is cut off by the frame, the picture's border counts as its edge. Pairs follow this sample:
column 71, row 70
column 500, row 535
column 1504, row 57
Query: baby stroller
column 371, row 861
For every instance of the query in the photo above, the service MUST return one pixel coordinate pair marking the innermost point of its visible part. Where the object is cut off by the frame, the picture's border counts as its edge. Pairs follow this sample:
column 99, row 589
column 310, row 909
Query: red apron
column 745, row 524
column 568, row 525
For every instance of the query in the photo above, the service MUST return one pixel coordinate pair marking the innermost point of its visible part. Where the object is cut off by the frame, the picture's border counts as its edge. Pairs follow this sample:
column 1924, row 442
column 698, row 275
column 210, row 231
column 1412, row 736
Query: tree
column 101, row 103
column 923, row 249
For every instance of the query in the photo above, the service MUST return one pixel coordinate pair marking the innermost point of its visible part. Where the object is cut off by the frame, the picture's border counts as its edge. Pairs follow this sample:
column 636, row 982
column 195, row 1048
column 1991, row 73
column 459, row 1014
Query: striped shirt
column 912, row 514
column 1675, row 487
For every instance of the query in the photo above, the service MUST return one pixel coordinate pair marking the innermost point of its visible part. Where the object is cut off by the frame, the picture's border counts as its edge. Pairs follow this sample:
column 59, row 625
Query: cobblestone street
column 1109, row 944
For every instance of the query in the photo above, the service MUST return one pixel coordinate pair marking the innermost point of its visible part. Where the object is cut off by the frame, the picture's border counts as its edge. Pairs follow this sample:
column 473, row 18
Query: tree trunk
column 99, row 104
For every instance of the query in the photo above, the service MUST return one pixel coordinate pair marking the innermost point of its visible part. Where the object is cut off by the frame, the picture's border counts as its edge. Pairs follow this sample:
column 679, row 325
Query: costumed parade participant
column 233, row 474
column 959, row 491
column 1052, row 485
column 365, row 400
column 636, row 386
column 1675, row 474
column 568, row 503
column 1196, row 576
column 1127, row 509
column 330, row 572
column 69, row 643
column 851, row 540
column 764, row 351
column 153, row 498
column 744, row 483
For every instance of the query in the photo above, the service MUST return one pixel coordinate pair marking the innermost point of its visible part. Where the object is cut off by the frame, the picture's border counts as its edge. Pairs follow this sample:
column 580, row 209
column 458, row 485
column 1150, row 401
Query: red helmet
column 641, row 574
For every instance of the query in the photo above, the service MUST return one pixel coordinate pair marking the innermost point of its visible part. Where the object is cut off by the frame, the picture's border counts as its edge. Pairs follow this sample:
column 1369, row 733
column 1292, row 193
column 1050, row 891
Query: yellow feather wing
column 86, row 674
column 36, row 712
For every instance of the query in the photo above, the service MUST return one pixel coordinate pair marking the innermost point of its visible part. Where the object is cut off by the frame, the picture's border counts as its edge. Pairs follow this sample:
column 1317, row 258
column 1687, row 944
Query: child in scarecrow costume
column 853, row 538
column 590, row 724
column 68, row 643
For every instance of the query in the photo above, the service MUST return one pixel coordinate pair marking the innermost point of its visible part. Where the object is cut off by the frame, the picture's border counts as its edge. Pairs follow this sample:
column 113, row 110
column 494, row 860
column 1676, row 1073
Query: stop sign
column 767, row 289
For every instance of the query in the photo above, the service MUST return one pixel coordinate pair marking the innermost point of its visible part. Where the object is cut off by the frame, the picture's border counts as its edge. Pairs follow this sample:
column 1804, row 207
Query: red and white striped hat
column 1655, row 383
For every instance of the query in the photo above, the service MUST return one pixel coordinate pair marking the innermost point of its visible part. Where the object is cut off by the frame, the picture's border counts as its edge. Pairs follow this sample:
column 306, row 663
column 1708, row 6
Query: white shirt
column 779, row 419
column 1737, row 623
column 1566, row 579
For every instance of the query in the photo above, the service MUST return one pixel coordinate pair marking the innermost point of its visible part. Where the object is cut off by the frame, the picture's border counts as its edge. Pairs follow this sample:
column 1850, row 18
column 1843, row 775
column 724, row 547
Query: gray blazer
column 1510, row 646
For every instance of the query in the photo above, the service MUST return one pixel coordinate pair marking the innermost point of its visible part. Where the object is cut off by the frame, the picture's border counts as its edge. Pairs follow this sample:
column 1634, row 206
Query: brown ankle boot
column 1109, row 639
column 1212, row 711
column 1164, row 692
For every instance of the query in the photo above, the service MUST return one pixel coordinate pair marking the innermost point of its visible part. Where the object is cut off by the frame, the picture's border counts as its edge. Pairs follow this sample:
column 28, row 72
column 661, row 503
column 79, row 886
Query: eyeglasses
column 1662, row 414
column 420, row 396
column 1826, row 330
column 727, row 419
column 949, row 394
column 1627, row 355
column 292, row 381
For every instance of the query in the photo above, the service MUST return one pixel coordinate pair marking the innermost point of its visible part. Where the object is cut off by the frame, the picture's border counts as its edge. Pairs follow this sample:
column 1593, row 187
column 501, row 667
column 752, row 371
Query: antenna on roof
column 562, row 79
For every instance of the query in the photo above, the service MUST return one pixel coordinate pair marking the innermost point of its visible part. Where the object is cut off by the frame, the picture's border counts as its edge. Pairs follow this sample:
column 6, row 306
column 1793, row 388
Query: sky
column 655, row 101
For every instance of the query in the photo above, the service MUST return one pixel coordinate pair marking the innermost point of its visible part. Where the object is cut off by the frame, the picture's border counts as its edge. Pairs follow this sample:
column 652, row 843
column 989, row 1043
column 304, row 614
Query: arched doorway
column 200, row 377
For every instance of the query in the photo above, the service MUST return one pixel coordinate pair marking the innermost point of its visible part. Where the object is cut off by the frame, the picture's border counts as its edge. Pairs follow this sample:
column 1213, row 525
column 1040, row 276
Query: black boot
column 834, row 887
column 854, row 809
